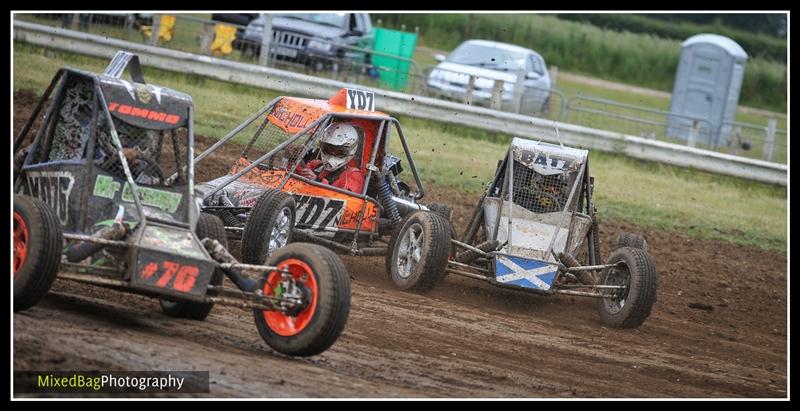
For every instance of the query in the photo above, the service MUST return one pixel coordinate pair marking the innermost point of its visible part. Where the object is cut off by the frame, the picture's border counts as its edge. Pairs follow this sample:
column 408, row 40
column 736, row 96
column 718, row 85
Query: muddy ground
column 718, row 330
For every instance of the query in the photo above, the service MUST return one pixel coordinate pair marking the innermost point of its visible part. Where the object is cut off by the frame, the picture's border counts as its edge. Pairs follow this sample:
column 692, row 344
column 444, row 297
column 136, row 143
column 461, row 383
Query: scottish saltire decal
column 524, row 272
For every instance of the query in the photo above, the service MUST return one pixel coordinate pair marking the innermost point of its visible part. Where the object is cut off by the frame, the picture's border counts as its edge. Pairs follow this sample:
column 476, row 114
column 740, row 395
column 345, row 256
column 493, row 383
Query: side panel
column 317, row 207
column 107, row 192
column 293, row 116
column 60, row 186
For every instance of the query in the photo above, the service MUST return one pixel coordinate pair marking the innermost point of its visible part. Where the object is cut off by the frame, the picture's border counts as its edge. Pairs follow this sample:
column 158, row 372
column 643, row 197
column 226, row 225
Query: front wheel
column 269, row 226
column 320, row 280
column 38, row 240
column 420, row 252
column 629, row 307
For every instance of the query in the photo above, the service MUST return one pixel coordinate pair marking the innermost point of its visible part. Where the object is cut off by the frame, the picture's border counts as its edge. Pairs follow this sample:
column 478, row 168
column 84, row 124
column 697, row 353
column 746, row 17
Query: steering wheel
column 545, row 202
column 151, row 165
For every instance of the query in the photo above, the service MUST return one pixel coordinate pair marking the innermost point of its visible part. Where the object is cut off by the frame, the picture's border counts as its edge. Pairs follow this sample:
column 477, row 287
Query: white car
column 489, row 61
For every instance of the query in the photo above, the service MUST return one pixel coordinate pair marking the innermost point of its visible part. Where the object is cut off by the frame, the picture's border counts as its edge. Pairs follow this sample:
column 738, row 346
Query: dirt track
column 464, row 339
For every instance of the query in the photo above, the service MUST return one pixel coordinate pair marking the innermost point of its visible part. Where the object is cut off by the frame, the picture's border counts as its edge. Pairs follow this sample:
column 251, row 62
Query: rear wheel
column 38, row 242
column 630, row 307
column 208, row 226
column 420, row 252
column 320, row 280
column 269, row 226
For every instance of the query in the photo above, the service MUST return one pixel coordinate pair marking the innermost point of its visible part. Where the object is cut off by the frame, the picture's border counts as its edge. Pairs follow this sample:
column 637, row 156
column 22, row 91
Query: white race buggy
column 535, row 229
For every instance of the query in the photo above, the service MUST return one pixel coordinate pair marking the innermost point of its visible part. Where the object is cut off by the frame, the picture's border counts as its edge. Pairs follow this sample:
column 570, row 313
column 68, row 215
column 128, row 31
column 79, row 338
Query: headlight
column 319, row 45
column 436, row 76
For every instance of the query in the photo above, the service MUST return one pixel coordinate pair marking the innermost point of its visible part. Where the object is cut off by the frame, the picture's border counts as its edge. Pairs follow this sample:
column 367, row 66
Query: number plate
column 285, row 51
column 171, row 274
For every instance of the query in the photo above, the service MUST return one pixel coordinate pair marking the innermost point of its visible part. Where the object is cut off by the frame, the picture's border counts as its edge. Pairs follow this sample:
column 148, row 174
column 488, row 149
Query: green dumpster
column 393, row 72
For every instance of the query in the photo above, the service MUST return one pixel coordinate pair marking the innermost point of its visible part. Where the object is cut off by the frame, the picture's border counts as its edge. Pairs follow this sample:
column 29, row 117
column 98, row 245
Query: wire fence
column 506, row 91
column 741, row 139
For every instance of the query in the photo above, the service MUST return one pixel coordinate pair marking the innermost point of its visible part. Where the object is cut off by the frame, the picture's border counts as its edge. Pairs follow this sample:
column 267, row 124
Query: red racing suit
column 348, row 177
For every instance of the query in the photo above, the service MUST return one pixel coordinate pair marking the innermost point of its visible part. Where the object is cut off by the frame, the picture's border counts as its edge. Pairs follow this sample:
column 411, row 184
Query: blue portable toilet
column 707, row 86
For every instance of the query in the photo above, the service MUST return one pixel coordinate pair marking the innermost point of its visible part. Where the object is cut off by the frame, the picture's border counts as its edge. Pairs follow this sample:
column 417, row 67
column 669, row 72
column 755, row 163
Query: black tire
column 442, row 210
column 332, row 307
column 632, row 240
column 434, row 251
column 38, row 232
column 392, row 240
column 208, row 226
column 639, row 272
column 258, row 230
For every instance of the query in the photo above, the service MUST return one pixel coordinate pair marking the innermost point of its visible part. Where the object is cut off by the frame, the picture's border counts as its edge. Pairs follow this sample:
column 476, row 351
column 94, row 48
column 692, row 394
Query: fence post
column 156, row 28
column 519, row 89
column 335, row 70
column 208, row 37
column 470, row 89
column 497, row 95
column 553, row 75
column 769, row 143
column 266, row 39
column 129, row 27
column 693, row 133
column 738, row 133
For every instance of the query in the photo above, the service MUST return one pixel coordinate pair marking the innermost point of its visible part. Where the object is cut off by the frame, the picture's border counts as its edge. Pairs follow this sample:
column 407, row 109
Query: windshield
column 473, row 54
column 328, row 19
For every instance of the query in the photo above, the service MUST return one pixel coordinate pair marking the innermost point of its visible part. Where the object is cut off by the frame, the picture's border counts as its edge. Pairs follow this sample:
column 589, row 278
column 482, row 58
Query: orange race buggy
column 266, row 203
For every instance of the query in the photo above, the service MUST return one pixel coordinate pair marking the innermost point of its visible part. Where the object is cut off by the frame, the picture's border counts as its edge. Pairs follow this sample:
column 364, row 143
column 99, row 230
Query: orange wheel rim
column 21, row 238
column 283, row 324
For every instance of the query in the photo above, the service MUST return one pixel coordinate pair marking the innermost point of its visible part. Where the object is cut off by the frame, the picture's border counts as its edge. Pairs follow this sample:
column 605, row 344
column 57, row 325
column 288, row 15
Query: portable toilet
column 707, row 85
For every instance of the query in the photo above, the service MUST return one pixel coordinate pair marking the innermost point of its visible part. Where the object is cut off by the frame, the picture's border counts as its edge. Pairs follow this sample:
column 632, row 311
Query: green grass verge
column 650, row 194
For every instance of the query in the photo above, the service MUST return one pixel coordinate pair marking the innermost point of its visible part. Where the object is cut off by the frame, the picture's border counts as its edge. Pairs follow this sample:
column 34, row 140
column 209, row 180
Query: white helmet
column 338, row 145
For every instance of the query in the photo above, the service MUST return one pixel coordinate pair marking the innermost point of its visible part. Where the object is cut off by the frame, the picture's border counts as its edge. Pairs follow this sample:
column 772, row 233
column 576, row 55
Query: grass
column 650, row 194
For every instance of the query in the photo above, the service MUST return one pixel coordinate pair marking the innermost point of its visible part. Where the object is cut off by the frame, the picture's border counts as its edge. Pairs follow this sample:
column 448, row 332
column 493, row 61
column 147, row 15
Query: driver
column 336, row 165
column 552, row 185
column 143, row 171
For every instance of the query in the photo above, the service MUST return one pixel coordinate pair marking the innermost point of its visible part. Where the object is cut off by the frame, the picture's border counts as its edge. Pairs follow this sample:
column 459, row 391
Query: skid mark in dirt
column 463, row 339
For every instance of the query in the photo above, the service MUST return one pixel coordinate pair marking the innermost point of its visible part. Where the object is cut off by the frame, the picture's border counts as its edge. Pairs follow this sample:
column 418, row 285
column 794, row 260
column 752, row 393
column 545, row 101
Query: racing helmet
column 338, row 145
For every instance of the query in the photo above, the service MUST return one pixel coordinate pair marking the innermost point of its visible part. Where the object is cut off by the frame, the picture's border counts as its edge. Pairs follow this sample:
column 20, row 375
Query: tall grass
column 758, row 44
column 638, row 59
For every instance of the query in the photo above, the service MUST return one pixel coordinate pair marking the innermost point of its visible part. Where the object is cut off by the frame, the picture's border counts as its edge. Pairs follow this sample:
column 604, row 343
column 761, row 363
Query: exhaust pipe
column 85, row 249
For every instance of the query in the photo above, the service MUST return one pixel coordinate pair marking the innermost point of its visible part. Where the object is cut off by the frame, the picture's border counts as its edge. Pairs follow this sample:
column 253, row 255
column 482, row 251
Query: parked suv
column 488, row 61
column 314, row 39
